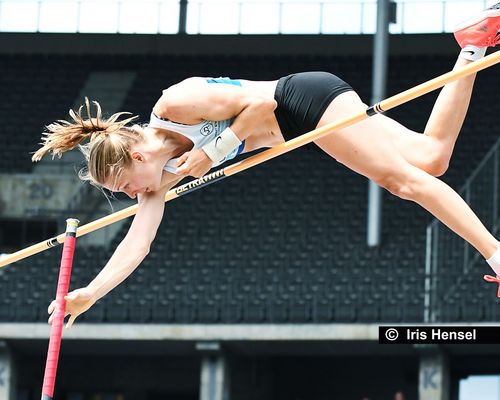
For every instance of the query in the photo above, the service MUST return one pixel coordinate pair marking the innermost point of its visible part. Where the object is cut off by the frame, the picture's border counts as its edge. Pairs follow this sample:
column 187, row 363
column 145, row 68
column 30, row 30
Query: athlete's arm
column 194, row 100
column 127, row 256
column 135, row 245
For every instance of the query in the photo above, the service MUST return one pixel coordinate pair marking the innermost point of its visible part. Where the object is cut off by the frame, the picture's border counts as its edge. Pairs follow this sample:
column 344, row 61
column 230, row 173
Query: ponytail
column 62, row 135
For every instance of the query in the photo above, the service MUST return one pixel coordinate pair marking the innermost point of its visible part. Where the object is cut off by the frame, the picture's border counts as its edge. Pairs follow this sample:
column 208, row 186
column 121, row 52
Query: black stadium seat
column 281, row 243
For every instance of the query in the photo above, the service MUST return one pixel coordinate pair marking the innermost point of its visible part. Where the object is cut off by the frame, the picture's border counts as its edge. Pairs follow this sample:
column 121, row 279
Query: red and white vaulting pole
column 49, row 378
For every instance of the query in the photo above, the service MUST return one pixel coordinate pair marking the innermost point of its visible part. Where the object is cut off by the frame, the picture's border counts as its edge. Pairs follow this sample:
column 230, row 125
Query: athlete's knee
column 438, row 160
column 439, row 166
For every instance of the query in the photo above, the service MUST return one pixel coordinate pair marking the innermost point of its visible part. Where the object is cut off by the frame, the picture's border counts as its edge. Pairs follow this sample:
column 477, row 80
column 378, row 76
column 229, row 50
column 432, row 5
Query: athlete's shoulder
column 186, row 83
column 176, row 98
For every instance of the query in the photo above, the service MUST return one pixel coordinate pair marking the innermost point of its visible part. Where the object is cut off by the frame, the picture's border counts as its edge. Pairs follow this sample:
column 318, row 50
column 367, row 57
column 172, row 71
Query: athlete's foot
column 493, row 279
column 481, row 31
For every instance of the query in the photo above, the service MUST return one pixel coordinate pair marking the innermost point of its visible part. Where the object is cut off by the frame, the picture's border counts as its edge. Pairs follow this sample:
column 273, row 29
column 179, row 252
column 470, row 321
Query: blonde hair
column 107, row 152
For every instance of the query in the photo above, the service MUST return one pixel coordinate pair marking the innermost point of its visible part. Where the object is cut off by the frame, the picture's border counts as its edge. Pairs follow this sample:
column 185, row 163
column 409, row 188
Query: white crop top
column 201, row 133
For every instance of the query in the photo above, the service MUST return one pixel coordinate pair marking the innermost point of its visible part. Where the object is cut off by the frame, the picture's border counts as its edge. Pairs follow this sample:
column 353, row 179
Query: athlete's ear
column 137, row 156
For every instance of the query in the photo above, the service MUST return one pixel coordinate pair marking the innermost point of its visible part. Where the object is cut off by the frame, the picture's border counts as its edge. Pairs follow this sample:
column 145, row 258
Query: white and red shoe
column 480, row 31
column 493, row 279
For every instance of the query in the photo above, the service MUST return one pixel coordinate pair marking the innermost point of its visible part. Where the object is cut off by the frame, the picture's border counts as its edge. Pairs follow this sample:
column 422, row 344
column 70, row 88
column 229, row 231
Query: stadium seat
column 284, row 242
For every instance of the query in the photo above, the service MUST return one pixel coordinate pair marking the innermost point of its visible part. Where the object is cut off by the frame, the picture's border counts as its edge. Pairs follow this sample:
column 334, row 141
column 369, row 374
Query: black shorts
column 303, row 98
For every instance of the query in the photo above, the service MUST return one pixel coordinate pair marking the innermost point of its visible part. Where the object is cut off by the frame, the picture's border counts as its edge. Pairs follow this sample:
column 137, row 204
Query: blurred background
column 273, row 283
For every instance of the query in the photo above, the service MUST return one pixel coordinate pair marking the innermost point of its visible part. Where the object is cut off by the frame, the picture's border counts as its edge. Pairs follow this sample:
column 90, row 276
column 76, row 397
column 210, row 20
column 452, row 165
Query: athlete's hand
column 194, row 163
column 77, row 302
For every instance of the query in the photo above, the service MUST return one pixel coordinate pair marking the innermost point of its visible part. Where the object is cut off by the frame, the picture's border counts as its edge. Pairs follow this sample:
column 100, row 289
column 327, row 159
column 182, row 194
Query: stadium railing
column 448, row 256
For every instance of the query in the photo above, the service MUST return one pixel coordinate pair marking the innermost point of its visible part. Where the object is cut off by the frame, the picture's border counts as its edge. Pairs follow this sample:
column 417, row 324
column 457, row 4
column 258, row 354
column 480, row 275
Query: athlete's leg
column 369, row 148
column 448, row 114
column 444, row 124
column 432, row 151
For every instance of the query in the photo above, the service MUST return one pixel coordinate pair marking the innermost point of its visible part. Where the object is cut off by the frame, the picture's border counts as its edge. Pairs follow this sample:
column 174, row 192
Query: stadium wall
column 109, row 44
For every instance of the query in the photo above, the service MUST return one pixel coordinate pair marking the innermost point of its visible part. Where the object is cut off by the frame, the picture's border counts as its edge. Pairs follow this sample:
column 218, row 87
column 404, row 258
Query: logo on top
column 207, row 128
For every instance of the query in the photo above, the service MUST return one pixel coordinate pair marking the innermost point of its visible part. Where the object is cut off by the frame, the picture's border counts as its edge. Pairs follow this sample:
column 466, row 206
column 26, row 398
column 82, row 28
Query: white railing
column 230, row 17
column 448, row 256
